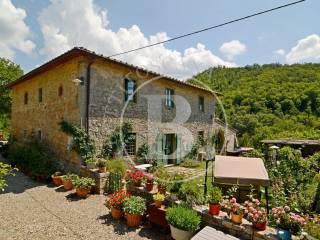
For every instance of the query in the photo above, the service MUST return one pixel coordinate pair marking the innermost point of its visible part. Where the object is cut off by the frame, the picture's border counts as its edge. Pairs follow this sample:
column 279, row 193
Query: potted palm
column 256, row 214
column 91, row 163
column 83, row 186
column 183, row 222
column 67, row 181
column 158, row 199
column 288, row 223
column 134, row 208
column 115, row 203
column 56, row 178
column 214, row 199
column 102, row 165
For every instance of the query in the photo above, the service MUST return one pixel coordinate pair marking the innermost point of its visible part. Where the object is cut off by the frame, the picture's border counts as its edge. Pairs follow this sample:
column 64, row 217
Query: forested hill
column 268, row 101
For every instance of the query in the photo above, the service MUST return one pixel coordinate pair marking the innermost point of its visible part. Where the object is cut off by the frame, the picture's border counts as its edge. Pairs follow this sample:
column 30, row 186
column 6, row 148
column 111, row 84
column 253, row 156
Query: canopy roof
column 240, row 170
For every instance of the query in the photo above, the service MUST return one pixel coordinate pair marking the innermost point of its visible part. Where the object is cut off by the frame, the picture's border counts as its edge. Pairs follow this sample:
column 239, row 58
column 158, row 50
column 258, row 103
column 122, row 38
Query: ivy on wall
column 82, row 144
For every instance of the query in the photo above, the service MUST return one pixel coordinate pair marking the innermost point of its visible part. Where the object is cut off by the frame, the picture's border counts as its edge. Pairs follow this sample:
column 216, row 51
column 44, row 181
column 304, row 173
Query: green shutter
column 125, row 90
column 178, row 151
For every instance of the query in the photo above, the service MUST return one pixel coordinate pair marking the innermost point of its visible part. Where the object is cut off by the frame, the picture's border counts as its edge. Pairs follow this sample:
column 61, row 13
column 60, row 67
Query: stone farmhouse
column 98, row 93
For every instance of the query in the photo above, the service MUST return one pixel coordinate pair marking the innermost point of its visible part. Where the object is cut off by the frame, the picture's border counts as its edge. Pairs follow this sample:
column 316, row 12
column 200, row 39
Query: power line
column 209, row 28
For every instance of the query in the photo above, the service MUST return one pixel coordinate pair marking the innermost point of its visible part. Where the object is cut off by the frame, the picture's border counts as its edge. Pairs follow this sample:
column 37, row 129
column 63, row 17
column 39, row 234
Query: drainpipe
column 88, row 77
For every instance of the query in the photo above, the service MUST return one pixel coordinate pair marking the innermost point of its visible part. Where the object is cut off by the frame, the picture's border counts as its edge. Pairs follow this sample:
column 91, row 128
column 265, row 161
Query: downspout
column 88, row 77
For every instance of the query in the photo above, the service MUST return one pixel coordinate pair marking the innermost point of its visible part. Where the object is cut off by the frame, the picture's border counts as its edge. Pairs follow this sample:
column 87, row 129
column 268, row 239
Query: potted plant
column 67, row 180
column 91, row 163
column 162, row 179
column 102, row 165
column 149, row 182
column 183, row 222
column 256, row 214
column 158, row 199
column 135, row 177
column 56, row 178
column 214, row 199
column 115, row 203
column 235, row 210
column 288, row 223
column 83, row 186
column 134, row 208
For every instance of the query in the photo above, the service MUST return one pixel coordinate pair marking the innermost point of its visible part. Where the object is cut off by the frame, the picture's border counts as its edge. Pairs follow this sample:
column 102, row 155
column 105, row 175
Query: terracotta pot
column 178, row 234
column 214, row 209
column 158, row 203
column 133, row 220
column 162, row 189
column 56, row 180
column 149, row 186
column 260, row 226
column 82, row 192
column 67, row 184
column 102, row 169
column 116, row 213
column 237, row 219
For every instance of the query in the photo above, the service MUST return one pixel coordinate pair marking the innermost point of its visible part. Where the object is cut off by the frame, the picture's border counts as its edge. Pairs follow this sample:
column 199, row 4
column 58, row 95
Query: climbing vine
column 82, row 144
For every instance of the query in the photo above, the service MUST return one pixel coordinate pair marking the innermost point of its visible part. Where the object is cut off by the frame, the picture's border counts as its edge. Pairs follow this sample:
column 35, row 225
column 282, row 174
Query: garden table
column 209, row 233
column 143, row 167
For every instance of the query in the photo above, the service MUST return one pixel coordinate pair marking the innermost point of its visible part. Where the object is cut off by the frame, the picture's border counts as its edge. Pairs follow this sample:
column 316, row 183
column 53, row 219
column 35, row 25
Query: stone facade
column 63, row 99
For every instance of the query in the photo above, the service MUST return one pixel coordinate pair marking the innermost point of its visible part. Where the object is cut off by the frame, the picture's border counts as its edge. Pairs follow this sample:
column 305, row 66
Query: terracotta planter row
column 67, row 185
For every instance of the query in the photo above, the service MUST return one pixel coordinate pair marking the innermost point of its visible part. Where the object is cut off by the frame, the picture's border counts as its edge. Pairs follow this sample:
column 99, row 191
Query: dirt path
column 29, row 210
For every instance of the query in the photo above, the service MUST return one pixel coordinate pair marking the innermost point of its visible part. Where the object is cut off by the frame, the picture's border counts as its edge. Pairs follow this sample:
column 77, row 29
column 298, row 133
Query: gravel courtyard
column 29, row 210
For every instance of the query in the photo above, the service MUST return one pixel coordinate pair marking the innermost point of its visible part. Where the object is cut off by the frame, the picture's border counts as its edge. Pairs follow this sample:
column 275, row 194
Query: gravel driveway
column 29, row 210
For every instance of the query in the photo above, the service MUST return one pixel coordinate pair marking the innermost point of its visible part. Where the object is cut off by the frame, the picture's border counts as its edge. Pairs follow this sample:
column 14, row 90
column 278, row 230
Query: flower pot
column 82, row 192
column 91, row 165
column 214, row 209
column 133, row 220
column 102, row 169
column 57, row 181
column 116, row 213
column 67, row 184
column 178, row 234
column 157, row 203
column 260, row 226
column 283, row 234
column 162, row 189
column 235, row 218
column 149, row 186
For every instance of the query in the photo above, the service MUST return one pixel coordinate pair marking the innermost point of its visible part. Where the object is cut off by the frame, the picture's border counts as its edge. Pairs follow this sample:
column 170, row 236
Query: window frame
column 132, row 97
column 169, row 98
column 200, row 103
column 131, row 148
column 40, row 95
column 26, row 98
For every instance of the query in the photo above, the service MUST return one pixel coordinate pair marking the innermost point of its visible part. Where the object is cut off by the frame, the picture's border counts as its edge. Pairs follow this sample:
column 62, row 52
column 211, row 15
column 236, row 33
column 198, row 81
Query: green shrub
column 70, row 177
column 5, row 169
column 189, row 163
column 192, row 191
column 117, row 165
column 34, row 157
column 214, row 195
column 142, row 154
column 175, row 183
column 183, row 218
column 83, row 182
column 134, row 205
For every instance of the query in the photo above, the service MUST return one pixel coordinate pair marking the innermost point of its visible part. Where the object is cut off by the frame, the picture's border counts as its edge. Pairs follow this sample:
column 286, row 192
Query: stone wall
column 28, row 119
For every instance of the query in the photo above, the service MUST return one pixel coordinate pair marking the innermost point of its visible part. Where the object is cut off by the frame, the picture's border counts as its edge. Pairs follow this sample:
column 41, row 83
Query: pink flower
column 278, row 221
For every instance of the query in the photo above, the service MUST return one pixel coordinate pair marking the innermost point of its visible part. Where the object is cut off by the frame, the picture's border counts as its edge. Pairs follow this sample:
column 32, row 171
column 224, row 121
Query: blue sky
column 33, row 31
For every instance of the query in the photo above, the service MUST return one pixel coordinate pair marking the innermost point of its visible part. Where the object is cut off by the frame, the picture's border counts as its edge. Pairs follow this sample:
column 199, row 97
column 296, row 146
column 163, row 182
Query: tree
column 9, row 71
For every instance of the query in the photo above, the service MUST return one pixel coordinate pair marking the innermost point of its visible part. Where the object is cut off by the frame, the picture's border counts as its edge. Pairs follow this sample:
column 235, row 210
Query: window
column 169, row 97
column 39, row 135
column 40, row 95
column 201, row 104
column 201, row 137
column 130, row 146
column 130, row 87
column 60, row 91
column 25, row 98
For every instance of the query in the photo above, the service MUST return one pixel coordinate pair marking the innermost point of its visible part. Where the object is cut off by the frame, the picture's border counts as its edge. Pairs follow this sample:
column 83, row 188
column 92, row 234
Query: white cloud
column 233, row 48
column 65, row 24
column 280, row 52
column 14, row 34
column 307, row 49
